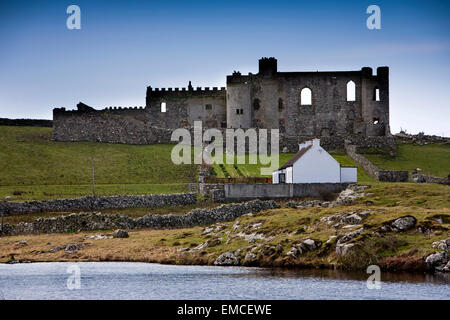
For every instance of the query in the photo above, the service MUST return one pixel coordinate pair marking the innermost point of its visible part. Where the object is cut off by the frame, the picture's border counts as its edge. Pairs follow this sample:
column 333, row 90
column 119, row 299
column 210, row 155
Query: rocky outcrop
column 303, row 247
column 77, row 222
column 227, row 259
column 98, row 203
column 437, row 261
column 119, row 233
column 420, row 138
column 346, row 219
column 401, row 224
column 342, row 245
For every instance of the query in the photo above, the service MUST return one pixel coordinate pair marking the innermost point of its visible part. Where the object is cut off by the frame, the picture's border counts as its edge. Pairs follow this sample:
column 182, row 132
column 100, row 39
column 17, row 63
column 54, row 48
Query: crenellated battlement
column 189, row 91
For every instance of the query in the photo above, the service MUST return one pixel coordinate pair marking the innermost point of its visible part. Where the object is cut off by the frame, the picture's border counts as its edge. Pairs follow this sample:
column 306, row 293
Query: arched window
column 351, row 91
column 306, row 97
column 163, row 107
column 376, row 94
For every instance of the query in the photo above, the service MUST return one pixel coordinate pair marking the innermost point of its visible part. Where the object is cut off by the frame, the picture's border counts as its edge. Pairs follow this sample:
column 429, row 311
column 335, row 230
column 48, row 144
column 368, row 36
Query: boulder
column 250, row 257
column 401, row 224
column 227, row 259
column 344, row 249
column 447, row 267
column 352, row 219
column 404, row 223
column 21, row 243
column 119, row 233
column 310, row 245
column 438, row 259
column 71, row 248
column 347, row 237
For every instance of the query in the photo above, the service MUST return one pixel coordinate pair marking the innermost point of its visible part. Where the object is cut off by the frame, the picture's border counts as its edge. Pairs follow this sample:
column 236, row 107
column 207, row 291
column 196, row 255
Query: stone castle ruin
column 335, row 106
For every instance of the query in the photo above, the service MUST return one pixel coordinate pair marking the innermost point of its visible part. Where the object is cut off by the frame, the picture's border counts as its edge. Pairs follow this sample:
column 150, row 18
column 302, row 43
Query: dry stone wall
column 98, row 203
column 78, row 222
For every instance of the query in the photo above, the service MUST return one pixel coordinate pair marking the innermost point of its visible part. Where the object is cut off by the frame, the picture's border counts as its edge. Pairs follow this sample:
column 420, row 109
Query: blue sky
column 124, row 46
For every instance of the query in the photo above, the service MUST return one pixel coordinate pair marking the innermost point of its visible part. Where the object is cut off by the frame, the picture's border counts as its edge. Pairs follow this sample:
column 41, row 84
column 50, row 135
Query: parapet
column 180, row 92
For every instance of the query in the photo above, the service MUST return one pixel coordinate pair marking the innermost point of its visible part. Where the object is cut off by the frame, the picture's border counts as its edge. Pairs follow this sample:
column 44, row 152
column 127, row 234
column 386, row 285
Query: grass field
column 38, row 168
column 433, row 159
column 32, row 167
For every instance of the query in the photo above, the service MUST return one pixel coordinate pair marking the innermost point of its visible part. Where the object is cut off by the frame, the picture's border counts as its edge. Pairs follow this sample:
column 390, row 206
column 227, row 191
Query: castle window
column 306, row 97
column 223, row 124
column 376, row 120
column 351, row 91
column 376, row 94
column 256, row 104
column 163, row 107
column 239, row 111
column 208, row 106
column 280, row 104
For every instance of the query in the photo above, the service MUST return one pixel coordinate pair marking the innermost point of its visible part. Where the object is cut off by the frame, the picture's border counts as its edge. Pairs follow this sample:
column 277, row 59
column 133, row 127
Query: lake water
column 126, row 280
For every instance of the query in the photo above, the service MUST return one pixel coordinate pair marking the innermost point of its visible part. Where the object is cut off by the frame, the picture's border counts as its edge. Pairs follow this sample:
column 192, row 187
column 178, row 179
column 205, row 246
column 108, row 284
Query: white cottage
column 312, row 164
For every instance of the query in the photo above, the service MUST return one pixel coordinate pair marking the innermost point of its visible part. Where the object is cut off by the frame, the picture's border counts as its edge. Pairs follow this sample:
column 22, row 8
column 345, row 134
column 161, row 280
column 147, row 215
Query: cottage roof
column 296, row 156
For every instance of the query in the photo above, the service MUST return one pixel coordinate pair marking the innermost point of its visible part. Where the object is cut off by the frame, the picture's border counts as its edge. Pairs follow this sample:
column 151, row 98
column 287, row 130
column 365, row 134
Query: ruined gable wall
column 116, row 125
column 184, row 106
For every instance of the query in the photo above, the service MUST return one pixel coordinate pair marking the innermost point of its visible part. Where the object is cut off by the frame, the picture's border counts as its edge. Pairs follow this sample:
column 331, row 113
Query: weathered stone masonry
column 98, row 203
column 77, row 222
column 269, row 99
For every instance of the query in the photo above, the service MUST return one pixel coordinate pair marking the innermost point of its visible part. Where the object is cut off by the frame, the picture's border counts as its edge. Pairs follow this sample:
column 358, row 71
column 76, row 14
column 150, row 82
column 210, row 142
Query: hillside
column 34, row 167
column 432, row 159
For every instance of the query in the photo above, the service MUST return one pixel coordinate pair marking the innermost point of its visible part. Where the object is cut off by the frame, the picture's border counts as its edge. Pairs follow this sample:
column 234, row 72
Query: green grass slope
column 29, row 158
column 433, row 159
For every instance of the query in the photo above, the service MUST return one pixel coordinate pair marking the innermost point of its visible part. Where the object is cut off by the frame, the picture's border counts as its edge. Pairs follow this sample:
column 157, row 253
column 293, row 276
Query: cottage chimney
column 316, row 142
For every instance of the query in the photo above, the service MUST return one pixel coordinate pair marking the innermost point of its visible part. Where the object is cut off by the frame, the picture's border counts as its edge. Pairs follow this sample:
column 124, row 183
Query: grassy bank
column 278, row 230
column 34, row 167
column 29, row 157
column 433, row 159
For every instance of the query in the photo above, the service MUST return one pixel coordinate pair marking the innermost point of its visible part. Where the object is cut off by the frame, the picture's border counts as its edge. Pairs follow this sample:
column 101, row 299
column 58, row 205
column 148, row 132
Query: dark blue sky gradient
column 124, row 46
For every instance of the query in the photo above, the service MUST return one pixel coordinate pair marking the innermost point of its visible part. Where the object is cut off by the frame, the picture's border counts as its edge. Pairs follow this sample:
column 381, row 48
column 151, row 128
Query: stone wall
column 78, row 222
column 186, row 105
column 368, row 166
column 430, row 179
column 420, row 138
column 98, row 203
column 243, row 192
column 114, row 125
column 393, row 175
column 272, row 99
column 372, row 170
